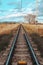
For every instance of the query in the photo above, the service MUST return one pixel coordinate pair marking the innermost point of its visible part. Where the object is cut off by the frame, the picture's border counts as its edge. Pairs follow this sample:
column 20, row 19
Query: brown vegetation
column 36, row 33
column 6, row 28
column 6, row 33
column 34, row 28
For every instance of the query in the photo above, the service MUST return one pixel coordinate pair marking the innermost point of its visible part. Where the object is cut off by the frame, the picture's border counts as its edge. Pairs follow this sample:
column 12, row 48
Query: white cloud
column 12, row 10
column 41, row 17
column 38, row 0
column 17, row 14
column 24, row 11
column 1, row 17
column 13, row 15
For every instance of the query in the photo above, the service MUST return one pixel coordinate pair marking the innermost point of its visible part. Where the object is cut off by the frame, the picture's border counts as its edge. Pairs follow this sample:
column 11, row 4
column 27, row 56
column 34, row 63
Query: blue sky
column 15, row 10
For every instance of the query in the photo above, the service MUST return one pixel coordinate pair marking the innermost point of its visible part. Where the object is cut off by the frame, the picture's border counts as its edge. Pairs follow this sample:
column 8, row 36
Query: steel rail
column 12, row 48
column 35, row 60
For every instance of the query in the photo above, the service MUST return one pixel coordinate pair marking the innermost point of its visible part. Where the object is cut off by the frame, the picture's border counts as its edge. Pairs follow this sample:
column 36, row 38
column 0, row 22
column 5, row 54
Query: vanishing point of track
column 22, row 50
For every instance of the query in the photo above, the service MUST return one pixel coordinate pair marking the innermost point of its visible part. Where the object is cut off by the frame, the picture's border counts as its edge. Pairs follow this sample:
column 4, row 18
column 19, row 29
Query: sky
column 15, row 10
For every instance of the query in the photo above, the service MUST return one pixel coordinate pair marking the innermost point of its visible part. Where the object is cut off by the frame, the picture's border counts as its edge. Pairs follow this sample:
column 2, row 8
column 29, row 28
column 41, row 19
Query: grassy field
column 32, row 28
column 7, row 28
column 36, row 33
column 6, row 33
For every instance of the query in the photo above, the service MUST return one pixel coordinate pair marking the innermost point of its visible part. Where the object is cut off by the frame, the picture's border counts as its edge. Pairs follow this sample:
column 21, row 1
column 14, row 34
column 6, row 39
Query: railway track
column 22, row 51
column 4, row 53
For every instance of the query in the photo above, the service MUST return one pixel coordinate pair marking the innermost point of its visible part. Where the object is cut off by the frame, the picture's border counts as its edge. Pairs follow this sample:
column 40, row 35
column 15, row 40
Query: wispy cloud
column 29, row 8
column 13, row 15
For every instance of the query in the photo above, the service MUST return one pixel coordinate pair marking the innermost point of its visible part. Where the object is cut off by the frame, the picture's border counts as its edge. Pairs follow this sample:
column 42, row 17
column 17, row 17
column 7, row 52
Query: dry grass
column 7, row 31
column 32, row 28
column 6, row 28
column 36, row 33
